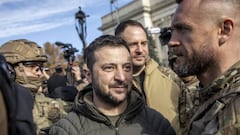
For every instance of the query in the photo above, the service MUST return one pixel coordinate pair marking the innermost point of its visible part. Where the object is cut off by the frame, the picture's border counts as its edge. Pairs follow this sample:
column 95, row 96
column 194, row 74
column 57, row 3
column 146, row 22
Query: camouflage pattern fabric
column 185, row 97
column 67, row 105
column 172, row 75
column 21, row 50
column 191, row 82
column 217, row 112
column 47, row 111
column 188, row 104
column 188, row 101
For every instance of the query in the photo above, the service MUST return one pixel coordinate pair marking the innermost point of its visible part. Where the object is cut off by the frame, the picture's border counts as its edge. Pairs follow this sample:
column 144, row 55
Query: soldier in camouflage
column 26, row 60
column 187, row 95
column 206, row 42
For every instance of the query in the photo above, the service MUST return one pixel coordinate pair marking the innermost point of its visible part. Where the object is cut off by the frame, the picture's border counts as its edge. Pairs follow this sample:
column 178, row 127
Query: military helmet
column 22, row 50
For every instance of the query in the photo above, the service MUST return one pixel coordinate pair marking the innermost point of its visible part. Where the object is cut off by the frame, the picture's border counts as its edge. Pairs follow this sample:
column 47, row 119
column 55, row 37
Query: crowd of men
column 125, row 91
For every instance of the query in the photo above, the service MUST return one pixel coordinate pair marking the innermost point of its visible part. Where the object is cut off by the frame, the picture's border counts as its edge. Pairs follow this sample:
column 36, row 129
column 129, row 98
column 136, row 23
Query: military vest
column 218, row 112
column 46, row 111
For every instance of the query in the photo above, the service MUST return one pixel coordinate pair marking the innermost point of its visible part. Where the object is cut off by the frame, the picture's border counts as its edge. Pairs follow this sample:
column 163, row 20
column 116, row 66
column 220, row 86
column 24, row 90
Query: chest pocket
column 219, row 118
column 46, row 111
column 207, row 125
column 229, row 119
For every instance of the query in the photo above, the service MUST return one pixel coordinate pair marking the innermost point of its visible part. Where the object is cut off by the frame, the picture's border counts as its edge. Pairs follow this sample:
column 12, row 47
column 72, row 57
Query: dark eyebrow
column 131, row 43
column 181, row 24
column 127, row 63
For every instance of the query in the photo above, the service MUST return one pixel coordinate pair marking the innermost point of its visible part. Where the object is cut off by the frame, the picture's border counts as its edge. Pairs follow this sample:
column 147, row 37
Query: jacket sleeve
column 58, row 130
column 24, row 116
column 66, row 126
column 159, row 124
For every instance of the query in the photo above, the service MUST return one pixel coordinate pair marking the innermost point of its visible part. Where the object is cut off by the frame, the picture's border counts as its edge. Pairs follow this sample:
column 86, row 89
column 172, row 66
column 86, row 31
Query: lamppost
column 81, row 26
column 115, row 5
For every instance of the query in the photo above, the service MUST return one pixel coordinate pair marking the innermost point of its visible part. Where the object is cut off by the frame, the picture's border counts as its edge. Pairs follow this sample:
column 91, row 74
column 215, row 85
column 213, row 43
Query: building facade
column 151, row 13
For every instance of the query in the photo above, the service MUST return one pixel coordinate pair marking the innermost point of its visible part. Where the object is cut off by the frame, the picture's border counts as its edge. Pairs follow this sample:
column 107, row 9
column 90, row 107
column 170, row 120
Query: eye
column 38, row 69
column 108, row 68
column 34, row 68
column 127, row 67
column 181, row 29
column 144, row 43
column 132, row 44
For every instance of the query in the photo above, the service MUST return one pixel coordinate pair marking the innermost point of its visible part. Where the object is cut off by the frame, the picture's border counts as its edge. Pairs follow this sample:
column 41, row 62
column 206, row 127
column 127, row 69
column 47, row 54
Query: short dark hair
column 100, row 42
column 123, row 25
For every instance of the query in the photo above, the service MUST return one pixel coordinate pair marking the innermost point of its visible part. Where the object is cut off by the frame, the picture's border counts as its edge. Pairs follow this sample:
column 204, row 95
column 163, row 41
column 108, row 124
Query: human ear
column 225, row 31
column 88, row 75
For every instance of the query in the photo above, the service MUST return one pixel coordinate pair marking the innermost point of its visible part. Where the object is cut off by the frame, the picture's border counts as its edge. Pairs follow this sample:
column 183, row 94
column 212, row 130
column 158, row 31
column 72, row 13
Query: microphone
column 155, row 30
column 165, row 34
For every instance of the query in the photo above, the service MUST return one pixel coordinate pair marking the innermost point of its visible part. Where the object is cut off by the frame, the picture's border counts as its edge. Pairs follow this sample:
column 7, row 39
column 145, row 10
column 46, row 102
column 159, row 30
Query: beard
column 108, row 98
column 196, row 64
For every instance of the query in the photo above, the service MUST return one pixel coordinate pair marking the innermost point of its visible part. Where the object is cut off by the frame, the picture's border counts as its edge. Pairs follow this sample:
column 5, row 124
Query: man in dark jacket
column 17, row 105
column 58, row 79
column 108, row 105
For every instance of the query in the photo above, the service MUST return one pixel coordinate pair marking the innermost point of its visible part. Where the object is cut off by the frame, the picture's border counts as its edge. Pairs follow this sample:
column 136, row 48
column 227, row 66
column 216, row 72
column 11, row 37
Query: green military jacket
column 218, row 112
column 86, row 119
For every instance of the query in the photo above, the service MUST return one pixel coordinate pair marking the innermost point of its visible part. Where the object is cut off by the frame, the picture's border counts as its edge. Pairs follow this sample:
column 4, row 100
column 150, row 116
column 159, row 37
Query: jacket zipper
column 120, row 120
column 116, row 130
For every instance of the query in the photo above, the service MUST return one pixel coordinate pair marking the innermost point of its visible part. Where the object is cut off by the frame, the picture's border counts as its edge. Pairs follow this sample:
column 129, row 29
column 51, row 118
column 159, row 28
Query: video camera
column 165, row 34
column 69, row 55
column 69, row 51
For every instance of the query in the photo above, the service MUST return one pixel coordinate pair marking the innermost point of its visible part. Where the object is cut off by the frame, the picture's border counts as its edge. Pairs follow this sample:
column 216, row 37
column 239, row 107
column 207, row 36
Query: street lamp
column 81, row 26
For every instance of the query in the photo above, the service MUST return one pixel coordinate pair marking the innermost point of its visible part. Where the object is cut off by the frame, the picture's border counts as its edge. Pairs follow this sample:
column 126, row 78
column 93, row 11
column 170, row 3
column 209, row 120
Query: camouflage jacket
column 47, row 111
column 188, row 102
column 218, row 112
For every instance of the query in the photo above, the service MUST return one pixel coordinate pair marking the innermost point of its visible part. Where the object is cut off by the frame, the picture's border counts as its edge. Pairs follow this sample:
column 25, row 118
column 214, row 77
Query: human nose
column 119, row 75
column 39, row 71
column 173, row 40
column 139, row 47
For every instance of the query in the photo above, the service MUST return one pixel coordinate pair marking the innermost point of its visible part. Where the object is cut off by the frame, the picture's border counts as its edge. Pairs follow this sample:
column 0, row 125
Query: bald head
column 229, row 7
column 218, row 12
column 207, row 32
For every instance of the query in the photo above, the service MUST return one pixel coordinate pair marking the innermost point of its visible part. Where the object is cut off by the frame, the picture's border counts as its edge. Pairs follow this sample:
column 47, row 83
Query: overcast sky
column 50, row 20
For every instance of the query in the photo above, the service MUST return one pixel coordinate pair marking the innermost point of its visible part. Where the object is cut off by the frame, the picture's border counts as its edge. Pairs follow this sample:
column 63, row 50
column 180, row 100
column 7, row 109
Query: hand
column 77, row 72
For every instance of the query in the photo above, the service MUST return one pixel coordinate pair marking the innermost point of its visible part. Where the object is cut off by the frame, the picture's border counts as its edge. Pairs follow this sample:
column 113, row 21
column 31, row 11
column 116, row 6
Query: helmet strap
column 21, row 69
